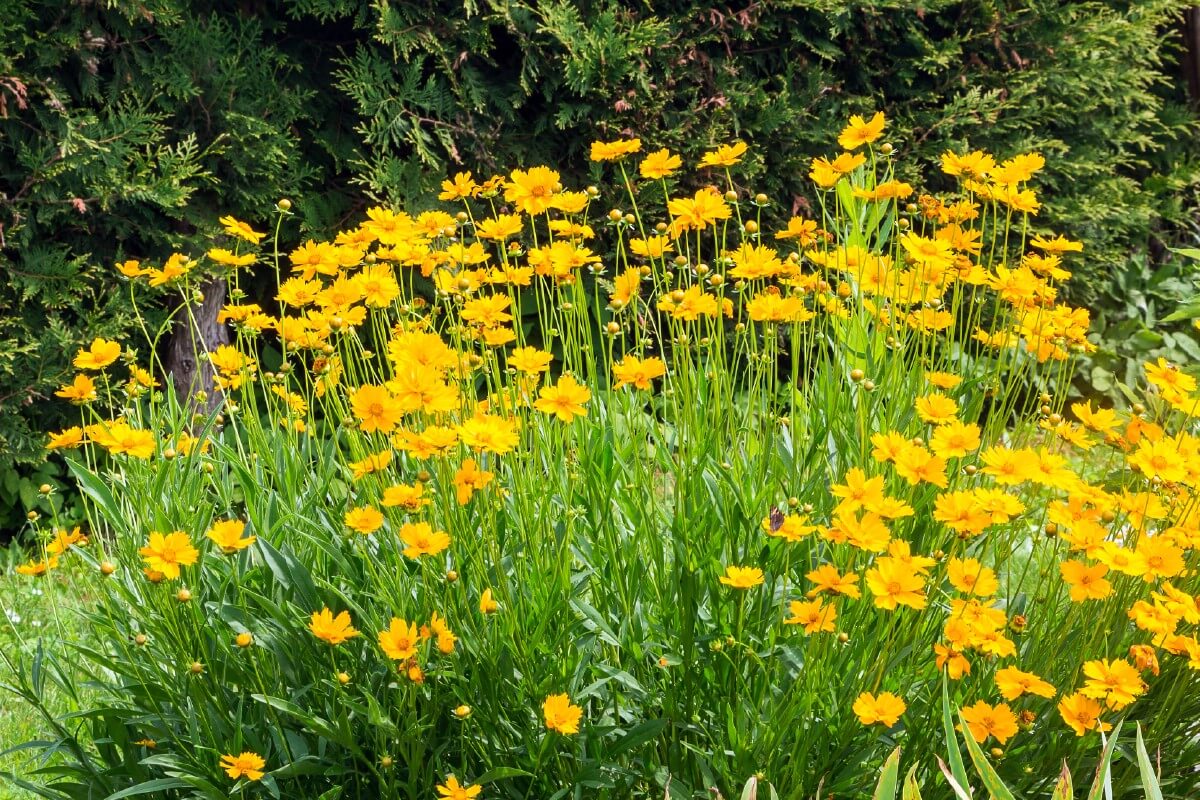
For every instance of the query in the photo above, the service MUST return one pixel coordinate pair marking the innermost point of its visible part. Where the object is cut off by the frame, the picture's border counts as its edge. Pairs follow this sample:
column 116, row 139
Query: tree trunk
column 1191, row 52
column 190, row 372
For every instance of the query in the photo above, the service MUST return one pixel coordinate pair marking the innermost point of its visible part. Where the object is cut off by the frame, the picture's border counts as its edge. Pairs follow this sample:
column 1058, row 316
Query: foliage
column 765, row 511
column 125, row 126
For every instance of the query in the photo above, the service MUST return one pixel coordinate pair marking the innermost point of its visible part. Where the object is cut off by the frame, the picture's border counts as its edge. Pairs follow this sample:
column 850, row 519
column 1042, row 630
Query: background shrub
column 159, row 114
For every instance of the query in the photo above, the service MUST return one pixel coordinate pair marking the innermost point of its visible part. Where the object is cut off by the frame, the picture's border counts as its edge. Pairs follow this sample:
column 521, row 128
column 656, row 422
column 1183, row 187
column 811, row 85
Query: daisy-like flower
column 561, row 714
column 246, row 765
column 331, row 629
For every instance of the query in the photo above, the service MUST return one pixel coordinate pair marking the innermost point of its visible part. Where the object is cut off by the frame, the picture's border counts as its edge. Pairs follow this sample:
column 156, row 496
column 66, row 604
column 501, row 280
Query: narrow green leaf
column 991, row 780
column 959, row 792
column 637, row 736
column 957, row 768
column 1102, row 769
column 147, row 787
column 1149, row 779
column 888, row 777
column 501, row 774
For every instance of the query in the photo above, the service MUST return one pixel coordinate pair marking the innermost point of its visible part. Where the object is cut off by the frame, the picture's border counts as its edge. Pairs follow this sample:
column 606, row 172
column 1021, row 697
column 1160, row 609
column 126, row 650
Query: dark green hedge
column 127, row 127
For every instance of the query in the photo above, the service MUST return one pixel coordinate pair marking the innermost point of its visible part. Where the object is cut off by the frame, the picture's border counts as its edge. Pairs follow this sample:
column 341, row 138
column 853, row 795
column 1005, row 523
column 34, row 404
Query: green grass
column 30, row 609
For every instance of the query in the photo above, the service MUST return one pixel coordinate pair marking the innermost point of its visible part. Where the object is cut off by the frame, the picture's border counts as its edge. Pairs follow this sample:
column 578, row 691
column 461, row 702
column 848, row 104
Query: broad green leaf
column 91, row 485
column 1063, row 790
column 888, row 777
column 911, row 789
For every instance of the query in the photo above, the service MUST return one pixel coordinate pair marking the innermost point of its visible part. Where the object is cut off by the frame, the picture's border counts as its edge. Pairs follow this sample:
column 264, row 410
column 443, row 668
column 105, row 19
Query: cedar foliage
column 127, row 127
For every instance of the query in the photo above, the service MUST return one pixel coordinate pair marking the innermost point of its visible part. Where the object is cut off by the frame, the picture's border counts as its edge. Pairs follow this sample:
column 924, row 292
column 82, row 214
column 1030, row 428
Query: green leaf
column 1146, row 768
column 638, row 736
column 1063, row 790
column 1186, row 252
column 961, row 792
column 146, row 787
column 888, row 777
column 501, row 774
column 91, row 485
column 957, row 768
column 911, row 790
column 1101, row 778
column 991, row 780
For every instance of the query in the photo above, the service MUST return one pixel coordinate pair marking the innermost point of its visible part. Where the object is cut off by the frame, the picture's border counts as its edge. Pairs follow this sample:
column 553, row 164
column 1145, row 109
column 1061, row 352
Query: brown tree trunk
column 190, row 372
column 1191, row 52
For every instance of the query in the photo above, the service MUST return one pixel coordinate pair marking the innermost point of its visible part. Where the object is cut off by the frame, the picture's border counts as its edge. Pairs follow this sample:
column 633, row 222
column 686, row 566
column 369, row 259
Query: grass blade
column 1149, row 779
column 957, row 768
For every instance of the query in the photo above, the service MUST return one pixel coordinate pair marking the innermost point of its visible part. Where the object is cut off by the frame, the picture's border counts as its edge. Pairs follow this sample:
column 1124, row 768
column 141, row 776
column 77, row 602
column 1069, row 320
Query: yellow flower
column 697, row 212
column 98, row 355
column 166, row 554
column 503, row 226
column 894, row 584
column 409, row 497
column 1082, row 714
column 453, row 790
column 943, row 380
column 827, row 579
column 614, row 151
column 247, row 765
column 565, row 400
column 1013, row 683
column 884, row 709
column 813, row 615
column 530, row 360
column 71, row 437
column 638, row 372
column 462, row 187
column 742, row 577
column 328, row 628
column 489, row 433
column 230, row 258
column 81, row 390
column 659, row 164
column 861, row 131
column 936, row 408
column 422, row 540
column 561, row 715
column 1116, row 682
column 470, row 478
column 376, row 408
column 364, row 519
column 399, row 642
column 241, row 230
column 487, row 605
column 532, row 191
column 1086, row 582
column 985, row 720
column 968, row 576
column 724, row 156
column 227, row 534
column 976, row 164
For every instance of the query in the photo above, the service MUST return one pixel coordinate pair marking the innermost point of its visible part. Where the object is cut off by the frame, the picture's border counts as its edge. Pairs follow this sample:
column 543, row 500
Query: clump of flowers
column 640, row 488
